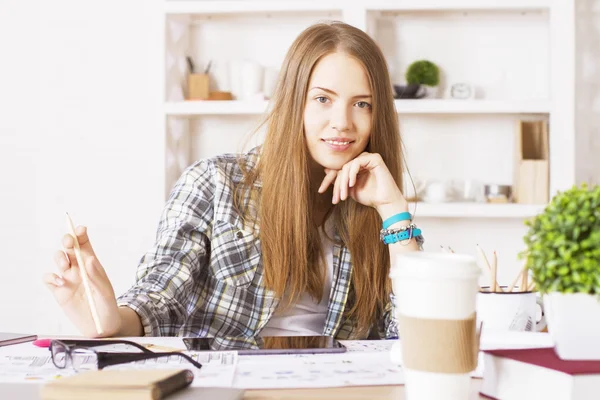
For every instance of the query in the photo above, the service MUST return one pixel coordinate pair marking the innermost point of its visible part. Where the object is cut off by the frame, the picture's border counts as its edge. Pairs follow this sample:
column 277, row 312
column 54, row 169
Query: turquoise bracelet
column 400, row 236
column 403, row 216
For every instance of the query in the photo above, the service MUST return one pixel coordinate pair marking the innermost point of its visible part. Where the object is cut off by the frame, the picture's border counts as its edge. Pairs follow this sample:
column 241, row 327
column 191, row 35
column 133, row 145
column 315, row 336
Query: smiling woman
column 291, row 238
column 337, row 117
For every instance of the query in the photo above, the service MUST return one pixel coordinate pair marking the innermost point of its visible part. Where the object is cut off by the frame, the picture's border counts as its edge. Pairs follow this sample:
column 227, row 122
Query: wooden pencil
column 494, row 283
column 514, row 283
column 482, row 254
column 84, row 277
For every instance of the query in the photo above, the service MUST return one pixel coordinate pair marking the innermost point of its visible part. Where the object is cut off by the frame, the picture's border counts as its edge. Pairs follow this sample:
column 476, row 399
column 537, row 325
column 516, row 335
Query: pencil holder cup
column 198, row 86
column 510, row 311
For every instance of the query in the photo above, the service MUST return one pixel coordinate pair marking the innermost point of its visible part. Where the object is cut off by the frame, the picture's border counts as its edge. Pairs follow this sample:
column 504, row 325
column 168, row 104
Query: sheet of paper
column 218, row 368
column 368, row 346
column 317, row 370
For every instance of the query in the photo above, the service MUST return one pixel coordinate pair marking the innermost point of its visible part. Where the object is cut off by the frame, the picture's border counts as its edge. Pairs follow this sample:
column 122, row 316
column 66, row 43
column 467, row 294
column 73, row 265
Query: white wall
column 80, row 131
column 587, row 83
column 18, row 126
column 93, row 144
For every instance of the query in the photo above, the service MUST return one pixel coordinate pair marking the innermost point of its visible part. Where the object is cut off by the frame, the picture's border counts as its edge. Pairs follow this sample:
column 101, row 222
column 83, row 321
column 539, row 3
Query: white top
column 306, row 317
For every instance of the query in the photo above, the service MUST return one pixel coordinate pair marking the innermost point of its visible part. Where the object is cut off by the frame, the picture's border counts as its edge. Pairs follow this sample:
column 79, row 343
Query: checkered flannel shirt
column 204, row 275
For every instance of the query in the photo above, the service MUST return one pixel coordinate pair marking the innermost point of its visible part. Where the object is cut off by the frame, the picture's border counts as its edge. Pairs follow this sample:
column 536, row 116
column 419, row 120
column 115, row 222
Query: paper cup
column 435, row 306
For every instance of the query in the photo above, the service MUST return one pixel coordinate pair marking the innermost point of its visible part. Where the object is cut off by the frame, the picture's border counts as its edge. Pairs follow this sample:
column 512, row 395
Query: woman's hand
column 68, row 289
column 367, row 180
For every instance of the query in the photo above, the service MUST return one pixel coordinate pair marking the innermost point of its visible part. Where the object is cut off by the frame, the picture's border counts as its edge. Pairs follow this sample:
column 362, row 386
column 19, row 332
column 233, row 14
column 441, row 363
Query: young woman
column 285, row 239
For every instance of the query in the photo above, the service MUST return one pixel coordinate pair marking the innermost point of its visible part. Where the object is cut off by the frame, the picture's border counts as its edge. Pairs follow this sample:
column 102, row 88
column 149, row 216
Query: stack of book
column 538, row 374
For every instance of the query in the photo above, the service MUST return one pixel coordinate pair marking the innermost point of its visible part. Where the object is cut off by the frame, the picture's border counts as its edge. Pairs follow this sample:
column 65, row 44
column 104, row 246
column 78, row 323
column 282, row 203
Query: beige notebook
column 118, row 384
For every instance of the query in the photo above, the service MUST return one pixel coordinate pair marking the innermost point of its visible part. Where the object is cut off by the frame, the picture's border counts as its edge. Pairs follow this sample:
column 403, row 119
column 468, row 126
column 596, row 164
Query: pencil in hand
column 84, row 276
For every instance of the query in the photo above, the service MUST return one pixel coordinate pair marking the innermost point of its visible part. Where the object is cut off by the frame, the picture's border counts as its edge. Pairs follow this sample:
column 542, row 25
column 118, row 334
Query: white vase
column 574, row 325
column 431, row 92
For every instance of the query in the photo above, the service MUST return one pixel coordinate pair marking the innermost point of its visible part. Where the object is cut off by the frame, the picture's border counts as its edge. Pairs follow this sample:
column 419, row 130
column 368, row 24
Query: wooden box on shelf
column 198, row 86
column 531, row 163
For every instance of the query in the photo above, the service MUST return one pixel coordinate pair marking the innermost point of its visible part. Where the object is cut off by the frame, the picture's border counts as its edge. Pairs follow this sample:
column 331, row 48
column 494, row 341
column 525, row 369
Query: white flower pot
column 431, row 92
column 574, row 325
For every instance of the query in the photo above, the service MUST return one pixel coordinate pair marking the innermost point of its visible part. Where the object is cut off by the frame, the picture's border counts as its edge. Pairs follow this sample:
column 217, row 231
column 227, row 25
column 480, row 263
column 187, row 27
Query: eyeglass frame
column 103, row 342
column 105, row 358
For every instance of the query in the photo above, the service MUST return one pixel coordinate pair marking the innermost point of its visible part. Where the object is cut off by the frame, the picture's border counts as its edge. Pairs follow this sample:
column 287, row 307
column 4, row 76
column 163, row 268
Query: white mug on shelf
column 247, row 77
column 510, row 311
column 436, row 192
column 220, row 74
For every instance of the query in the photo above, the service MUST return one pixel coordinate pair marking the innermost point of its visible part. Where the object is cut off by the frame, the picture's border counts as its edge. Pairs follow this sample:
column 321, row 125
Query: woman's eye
column 321, row 99
column 363, row 104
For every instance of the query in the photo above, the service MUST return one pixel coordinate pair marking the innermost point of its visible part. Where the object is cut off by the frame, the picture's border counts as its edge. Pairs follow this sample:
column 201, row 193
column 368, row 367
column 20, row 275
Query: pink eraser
column 42, row 342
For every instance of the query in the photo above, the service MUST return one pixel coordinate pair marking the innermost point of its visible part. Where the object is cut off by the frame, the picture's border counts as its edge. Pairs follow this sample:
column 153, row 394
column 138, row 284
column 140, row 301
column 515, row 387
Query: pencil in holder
column 198, row 86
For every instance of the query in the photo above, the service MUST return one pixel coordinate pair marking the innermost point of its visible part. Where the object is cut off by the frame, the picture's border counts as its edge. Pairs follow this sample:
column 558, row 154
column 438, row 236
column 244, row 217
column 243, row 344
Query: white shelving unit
column 458, row 5
column 433, row 106
column 239, row 7
column 475, row 210
column 552, row 20
column 226, row 7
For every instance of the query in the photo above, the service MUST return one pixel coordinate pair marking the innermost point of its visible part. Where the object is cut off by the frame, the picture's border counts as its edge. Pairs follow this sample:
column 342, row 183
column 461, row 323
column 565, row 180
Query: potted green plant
column 422, row 79
column 563, row 256
column 424, row 73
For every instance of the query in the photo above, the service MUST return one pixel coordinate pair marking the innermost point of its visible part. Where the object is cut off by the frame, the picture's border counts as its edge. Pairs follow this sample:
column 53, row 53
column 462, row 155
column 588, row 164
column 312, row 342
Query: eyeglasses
column 103, row 342
column 84, row 358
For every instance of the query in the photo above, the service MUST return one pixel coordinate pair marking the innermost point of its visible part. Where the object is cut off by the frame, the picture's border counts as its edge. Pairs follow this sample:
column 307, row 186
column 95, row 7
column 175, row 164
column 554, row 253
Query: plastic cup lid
column 429, row 265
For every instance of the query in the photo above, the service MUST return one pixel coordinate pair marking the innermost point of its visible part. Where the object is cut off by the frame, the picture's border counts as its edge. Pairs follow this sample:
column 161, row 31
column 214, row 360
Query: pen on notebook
column 84, row 276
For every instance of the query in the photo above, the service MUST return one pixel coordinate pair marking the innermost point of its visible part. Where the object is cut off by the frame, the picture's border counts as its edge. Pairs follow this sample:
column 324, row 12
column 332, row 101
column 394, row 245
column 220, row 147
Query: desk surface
column 361, row 392
column 30, row 391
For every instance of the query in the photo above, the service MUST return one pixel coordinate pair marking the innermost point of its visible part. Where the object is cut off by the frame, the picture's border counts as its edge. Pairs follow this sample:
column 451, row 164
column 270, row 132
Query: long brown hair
column 291, row 250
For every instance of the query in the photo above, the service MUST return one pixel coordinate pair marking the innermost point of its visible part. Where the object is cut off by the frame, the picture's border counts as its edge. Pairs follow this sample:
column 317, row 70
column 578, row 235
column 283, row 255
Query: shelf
column 458, row 5
column 235, row 107
column 240, row 6
column 450, row 106
column 236, row 7
column 475, row 210
column 215, row 107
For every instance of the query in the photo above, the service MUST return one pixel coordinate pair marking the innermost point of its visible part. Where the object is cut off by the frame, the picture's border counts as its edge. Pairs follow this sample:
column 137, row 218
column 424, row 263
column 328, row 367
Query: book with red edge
column 538, row 374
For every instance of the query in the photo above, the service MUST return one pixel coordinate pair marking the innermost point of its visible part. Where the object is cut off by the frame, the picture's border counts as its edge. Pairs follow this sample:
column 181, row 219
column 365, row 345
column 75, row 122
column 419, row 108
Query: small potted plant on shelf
column 563, row 255
column 422, row 79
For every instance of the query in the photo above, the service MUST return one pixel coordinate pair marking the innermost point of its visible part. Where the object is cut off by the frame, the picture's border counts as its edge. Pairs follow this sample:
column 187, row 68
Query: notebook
column 538, row 374
column 6, row 338
column 151, row 384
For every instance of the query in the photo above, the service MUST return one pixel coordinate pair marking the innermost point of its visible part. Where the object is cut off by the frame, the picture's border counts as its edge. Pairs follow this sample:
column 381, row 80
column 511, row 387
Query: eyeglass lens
column 84, row 359
column 59, row 354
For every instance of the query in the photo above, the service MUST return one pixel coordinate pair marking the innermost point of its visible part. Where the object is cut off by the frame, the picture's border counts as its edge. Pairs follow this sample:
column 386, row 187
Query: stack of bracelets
column 389, row 236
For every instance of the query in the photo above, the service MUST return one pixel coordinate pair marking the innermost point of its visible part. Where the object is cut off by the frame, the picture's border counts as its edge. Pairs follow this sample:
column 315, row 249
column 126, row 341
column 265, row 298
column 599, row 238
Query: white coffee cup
column 436, row 192
column 434, row 286
column 510, row 311
column 220, row 74
column 251, row 80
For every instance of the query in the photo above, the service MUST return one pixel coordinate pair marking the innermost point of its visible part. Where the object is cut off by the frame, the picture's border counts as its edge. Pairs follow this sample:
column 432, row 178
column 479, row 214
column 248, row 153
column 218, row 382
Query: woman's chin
column 335, row 163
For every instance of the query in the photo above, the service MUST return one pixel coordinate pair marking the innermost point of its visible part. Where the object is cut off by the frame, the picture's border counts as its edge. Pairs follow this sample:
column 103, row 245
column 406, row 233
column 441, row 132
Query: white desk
column 25, row 391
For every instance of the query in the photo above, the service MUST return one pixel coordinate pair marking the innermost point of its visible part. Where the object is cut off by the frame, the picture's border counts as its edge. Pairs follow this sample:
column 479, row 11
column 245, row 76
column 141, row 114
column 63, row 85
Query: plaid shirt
column 204, row 275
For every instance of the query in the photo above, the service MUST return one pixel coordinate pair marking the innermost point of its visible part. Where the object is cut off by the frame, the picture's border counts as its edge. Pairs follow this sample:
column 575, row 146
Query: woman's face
column 337, row 116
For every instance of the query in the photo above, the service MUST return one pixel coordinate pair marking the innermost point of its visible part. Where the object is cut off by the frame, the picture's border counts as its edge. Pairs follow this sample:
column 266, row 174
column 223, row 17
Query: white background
column 80, row 131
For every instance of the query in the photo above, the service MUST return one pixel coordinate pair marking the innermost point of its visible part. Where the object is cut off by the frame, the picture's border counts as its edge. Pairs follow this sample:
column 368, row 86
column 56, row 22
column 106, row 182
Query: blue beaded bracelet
column 400, row 236
column 403, row 216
